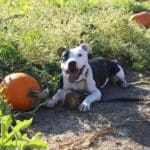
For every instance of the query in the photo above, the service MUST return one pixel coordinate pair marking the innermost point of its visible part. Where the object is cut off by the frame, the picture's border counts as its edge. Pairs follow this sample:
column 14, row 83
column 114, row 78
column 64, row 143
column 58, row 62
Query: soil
column 61, row 125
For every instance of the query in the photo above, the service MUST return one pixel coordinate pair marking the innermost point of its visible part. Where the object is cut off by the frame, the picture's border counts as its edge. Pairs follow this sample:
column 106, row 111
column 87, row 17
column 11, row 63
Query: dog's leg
column 60, row 94
column 93, row 97
column 95, row 94
column 121, row 76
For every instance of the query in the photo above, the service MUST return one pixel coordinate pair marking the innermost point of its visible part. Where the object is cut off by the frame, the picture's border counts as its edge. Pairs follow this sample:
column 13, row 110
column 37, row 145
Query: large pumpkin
column 16, row 89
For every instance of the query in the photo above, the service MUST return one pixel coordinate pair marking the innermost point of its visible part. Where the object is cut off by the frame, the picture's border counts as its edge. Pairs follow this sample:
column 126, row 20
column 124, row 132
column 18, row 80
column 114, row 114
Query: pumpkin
column 17, row 88
column 72, row 99
column 142, row 18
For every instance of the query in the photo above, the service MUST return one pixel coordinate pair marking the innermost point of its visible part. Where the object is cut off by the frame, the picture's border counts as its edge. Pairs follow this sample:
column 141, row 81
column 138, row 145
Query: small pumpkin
column 142, row 18
column 17, row 88
column 71, row 100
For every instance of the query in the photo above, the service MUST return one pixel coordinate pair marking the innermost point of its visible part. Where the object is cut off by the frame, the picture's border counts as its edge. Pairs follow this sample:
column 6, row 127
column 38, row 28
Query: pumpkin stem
column 38, row 94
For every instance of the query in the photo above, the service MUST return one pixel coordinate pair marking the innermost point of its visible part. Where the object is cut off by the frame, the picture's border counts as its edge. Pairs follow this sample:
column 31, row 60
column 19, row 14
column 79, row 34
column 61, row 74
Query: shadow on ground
column 64, row 124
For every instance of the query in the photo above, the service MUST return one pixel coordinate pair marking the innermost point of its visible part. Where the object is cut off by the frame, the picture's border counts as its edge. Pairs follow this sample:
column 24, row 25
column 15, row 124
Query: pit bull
column 80, row 74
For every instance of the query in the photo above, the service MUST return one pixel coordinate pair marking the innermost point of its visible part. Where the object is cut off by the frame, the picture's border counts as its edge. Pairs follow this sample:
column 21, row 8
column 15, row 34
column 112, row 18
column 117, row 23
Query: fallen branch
column 89, row 138
column 86, row 140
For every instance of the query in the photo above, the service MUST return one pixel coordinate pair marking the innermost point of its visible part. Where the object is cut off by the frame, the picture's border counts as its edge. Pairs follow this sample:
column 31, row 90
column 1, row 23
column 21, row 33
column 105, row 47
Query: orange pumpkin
column 16, row 88
column 142, row 18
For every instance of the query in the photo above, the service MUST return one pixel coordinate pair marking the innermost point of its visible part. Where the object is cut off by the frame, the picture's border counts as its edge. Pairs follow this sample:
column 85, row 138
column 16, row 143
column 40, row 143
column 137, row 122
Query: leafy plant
column 12, row 137
column 5, row 108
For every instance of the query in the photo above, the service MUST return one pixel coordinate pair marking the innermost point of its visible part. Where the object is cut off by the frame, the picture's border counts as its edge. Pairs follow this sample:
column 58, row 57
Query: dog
column 79, row 74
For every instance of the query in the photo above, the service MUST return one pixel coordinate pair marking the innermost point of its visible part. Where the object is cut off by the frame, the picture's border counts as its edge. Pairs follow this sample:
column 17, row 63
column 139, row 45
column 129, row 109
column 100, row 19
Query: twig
column 86, row 140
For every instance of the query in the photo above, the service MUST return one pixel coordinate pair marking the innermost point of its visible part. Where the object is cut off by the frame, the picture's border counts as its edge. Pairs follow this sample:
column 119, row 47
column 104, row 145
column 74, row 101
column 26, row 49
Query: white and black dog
column 79, row 74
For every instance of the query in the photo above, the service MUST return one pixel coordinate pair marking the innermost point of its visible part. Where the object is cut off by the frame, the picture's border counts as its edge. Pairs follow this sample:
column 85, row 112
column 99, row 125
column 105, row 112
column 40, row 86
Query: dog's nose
column 72, row 65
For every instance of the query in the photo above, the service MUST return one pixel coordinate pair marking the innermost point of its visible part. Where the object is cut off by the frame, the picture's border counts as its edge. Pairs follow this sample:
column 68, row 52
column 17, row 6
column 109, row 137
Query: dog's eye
column 79, row 55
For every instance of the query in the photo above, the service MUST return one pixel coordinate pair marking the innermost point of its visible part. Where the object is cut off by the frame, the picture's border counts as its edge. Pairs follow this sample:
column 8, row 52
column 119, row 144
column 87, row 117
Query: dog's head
column 74, row 61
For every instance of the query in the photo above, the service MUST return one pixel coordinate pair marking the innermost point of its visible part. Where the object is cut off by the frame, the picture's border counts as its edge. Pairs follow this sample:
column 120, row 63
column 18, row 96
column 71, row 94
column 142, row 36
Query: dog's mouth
column 74, row 74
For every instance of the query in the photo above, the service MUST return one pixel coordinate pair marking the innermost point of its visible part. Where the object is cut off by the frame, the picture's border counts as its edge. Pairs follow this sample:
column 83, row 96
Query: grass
column 31, row 31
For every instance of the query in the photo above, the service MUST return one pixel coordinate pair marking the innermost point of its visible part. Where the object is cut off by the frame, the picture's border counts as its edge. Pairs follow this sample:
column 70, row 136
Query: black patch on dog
column 103, row 69
column 61, row 82
column 65, row 55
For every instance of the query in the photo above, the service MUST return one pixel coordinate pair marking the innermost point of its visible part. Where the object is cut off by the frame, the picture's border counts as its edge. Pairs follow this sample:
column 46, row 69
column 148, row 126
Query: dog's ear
column 85, row 47
column 60, row 50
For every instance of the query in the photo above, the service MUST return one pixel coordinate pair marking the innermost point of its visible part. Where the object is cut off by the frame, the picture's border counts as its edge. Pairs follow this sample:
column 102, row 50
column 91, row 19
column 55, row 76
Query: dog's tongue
column 73, row 77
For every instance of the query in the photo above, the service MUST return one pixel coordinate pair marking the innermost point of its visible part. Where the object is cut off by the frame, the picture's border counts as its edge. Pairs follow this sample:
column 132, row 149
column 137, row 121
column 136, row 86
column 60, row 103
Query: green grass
column 31, row 31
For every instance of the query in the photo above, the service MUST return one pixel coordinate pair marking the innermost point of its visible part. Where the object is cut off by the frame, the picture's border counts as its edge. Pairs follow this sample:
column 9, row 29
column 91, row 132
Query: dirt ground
column 61, row 125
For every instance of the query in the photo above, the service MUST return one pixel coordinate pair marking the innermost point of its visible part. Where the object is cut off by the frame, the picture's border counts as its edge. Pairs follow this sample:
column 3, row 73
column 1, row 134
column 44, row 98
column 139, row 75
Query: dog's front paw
column 50, row 104
column 84, row 107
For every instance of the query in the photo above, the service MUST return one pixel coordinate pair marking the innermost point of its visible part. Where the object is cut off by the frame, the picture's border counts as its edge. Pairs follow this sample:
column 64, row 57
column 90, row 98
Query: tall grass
column 31, row 31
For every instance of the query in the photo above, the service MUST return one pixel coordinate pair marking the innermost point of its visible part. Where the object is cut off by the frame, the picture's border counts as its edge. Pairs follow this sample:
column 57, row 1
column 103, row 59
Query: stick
column 86, row 140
